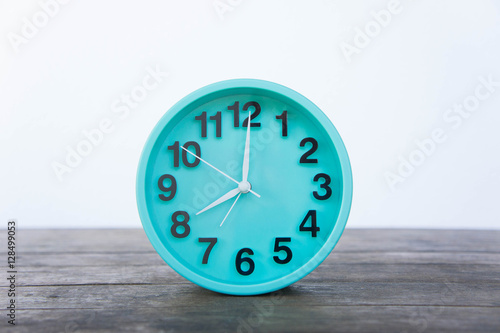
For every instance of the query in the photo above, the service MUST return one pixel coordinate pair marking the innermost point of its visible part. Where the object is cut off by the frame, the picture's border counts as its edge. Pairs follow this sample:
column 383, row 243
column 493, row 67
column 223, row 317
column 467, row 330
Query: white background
column 396, row 89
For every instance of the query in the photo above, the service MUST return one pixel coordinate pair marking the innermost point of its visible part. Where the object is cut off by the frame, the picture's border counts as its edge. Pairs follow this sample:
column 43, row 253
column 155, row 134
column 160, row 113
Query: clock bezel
column 264, row 88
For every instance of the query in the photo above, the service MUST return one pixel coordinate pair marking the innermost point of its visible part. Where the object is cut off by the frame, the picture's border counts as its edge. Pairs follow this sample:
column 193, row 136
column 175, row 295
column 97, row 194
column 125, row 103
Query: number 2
column 305, row 158
column 253, row 115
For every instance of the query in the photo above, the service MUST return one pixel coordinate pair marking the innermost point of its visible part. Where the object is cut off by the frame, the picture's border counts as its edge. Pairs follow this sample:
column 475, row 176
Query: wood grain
column 374, row 281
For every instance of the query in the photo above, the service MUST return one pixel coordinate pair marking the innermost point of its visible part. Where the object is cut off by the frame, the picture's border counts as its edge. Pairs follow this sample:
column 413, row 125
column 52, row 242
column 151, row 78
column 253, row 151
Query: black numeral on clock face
column 203, row 119
column 254, row 115
column 183, row 224
column 236, row 114
column 305, row 157
column 211, row 245
column 324, row 186
column 284, row 123
column 313, row 228
column 278, row 248
column 240, row 260
column 175, row 148
column 172, row 188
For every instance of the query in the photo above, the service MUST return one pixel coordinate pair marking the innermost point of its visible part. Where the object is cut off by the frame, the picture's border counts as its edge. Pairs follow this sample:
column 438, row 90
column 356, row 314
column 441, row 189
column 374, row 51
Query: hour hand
column 225, row 197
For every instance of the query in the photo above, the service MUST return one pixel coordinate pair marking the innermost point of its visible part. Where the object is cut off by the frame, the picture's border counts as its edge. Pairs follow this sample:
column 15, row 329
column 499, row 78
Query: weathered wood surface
column 374, row 281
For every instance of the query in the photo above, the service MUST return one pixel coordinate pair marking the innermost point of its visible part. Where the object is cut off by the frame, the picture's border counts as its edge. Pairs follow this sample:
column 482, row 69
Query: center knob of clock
column 244, row 187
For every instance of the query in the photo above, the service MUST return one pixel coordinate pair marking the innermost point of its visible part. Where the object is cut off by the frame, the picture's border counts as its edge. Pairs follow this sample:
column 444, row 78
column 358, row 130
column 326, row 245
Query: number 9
column 172, row 188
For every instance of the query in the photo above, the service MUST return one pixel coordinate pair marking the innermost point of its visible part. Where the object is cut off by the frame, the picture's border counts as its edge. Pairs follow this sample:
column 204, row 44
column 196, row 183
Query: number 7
column 212, row 242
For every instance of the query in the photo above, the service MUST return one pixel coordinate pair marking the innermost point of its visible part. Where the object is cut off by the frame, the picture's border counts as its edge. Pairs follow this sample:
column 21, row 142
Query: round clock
column 244, row 187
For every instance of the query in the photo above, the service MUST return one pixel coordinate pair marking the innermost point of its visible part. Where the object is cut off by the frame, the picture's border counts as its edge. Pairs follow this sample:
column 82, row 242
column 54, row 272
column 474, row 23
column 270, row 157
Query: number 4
column 313, row 228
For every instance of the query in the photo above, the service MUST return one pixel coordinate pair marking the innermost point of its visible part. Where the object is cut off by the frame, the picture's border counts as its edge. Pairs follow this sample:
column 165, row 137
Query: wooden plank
column 333, row 273
column 353, row 240
column 82, row 241
column 307, row 292
column 262, row 315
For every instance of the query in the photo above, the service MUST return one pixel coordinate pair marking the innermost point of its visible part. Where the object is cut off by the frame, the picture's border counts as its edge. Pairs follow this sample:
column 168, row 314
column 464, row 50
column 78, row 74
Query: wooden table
column 374, row 281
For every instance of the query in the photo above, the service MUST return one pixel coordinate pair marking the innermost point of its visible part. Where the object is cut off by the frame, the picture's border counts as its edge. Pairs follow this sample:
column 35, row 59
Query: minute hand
column 246, row 155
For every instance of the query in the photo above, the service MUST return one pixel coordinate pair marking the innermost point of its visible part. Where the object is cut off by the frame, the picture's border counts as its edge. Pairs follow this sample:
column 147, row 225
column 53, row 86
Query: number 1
column 284, row 123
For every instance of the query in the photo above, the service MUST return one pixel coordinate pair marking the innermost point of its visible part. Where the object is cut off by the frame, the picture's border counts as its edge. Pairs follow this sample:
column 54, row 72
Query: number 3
column 323, row 186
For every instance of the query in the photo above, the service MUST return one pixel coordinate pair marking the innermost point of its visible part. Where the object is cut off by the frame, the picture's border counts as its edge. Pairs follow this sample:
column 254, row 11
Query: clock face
column 244, row 187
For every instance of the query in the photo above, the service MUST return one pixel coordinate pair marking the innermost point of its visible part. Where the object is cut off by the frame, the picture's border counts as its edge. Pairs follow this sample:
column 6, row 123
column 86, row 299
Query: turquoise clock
column 244, row 187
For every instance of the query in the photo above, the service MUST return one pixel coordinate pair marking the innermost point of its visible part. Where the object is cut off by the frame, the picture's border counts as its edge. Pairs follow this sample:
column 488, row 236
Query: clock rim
column 275, row 91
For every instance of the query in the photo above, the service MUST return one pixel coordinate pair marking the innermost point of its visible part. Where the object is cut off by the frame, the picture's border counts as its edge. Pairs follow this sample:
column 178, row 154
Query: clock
column 244, row 187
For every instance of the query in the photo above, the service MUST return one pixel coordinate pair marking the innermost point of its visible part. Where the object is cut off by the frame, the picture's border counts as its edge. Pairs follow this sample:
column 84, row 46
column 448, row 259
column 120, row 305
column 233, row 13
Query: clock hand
column 230, row 209
column 246, row 155
column 210, row 165
column 225, row 197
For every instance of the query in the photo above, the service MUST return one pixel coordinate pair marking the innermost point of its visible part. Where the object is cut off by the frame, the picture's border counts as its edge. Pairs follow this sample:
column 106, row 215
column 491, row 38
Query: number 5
column 278, row 248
